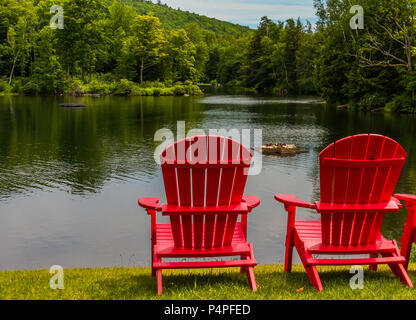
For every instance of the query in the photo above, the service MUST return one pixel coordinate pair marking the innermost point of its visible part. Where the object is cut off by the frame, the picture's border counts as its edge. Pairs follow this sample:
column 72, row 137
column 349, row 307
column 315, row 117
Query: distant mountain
column 174, row 18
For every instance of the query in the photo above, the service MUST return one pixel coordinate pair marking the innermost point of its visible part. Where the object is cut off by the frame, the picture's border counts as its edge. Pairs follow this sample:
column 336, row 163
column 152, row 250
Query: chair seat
column 309, row 233
column 165, row 246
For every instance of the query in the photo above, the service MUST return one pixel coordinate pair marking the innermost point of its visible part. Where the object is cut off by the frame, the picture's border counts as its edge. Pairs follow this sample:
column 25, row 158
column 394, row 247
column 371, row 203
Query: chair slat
column 342, row 151
column 239, row 185
column 209, row 230
column 187, row 231
column 230, row 228
column 220, row 230
column 198, row 187
column 171, row 188
column 327, row 176
column 176, row 230
column 376, row 226
column 326, row 227
column 348, row 221
column 326, row 187
column 357, row 228
column 367, row 182
column 198, row 231
column 394, row 173
column 367, row 227
column 336, row 228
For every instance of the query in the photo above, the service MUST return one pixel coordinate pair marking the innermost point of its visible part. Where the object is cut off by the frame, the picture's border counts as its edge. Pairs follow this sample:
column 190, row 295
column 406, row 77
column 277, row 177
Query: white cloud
column 247, row 12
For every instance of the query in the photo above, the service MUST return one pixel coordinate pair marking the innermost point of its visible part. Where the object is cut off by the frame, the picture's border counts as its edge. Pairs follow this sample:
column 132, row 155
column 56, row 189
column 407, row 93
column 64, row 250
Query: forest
column 134, row 47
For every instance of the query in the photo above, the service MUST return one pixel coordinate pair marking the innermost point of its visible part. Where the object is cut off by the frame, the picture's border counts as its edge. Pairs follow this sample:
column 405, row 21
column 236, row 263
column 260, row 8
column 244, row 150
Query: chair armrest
column 397, row 201
column 291, row 201
column 251, row 201
column 150, row 204
column 408, row 198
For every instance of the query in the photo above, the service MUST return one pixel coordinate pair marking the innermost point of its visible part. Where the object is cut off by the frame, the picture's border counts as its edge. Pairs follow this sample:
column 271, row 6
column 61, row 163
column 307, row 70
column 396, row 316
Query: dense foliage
column 121, row 47
column 104, row 47
column 369, row 68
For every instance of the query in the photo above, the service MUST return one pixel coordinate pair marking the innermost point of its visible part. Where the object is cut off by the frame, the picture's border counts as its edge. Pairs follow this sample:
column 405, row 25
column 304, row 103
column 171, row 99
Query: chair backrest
column 360, row 170
column 204, row 171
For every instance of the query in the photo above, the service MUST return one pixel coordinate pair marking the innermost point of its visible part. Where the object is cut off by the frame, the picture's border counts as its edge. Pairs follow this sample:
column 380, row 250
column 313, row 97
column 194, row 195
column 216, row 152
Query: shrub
column 96, row 86
column 400, row 103
column 179, row 90
column 122, row 87
column 17, row 86
column 371, row 101
column 167, row 92
column 5, row 87
column 137, row 91
column 193, row 90
column 157, row 92
column 31, row 87
column 74, row 87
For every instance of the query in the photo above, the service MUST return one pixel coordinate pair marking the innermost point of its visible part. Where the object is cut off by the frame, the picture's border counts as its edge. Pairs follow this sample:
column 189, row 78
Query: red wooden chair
column 204, row 178
column 409, row 234
column 358, row 175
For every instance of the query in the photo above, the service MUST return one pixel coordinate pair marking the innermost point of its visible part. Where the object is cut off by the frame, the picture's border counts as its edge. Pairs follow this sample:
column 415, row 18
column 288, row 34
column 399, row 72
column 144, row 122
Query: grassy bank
column 102, row 86
column 136, row 283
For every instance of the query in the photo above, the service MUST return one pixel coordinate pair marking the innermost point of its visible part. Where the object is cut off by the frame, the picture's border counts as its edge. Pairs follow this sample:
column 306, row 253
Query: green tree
column 81, row 40
column 144, row 48
column 180, row 56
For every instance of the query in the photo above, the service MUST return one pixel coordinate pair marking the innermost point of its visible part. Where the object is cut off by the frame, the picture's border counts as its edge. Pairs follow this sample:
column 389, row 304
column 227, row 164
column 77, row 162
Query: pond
column 70, row 178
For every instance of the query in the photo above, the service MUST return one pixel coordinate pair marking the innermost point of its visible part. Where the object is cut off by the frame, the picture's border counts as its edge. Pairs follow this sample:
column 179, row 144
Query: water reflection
column 69, row 178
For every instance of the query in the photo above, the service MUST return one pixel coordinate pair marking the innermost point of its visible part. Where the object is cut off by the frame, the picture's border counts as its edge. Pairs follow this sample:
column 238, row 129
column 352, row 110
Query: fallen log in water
column 72, row 105
column 280, row 149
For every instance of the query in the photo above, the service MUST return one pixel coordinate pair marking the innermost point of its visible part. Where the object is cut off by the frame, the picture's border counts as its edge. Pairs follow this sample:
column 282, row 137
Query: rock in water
column 280, row 149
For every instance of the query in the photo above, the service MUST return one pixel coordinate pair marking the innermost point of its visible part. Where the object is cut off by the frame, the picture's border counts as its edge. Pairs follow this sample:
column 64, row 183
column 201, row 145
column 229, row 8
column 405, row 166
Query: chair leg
column 153, row 259
column 373, row 267
column 251, row 278
column 314, row 277
column 289, row 255
column 311, row 271
column 399, row 270
column 243, row 269
column 406, row 248
column 159, row 281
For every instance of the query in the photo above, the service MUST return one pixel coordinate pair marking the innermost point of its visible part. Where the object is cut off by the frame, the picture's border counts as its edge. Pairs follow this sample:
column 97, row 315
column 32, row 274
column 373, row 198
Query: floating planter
column 280, row 149
column 72, row 105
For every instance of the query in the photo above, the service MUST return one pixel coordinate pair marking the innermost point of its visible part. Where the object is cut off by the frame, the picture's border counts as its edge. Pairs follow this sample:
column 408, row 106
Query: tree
column 145, row 45
column 180, row 56
column 82, row 39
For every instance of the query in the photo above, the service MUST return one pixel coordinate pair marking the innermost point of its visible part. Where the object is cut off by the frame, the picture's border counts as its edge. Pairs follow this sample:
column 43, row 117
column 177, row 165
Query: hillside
column 173, row 18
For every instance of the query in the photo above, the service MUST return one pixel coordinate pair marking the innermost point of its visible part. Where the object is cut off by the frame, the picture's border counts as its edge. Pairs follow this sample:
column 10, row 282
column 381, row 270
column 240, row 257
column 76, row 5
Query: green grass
column 222, row 284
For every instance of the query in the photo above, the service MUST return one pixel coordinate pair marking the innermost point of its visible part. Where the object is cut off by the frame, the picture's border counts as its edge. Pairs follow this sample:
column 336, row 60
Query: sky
column 248, row 12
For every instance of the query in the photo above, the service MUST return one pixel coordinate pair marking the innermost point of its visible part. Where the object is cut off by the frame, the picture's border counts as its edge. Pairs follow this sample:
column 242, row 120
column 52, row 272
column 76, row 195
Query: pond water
column 70, row 178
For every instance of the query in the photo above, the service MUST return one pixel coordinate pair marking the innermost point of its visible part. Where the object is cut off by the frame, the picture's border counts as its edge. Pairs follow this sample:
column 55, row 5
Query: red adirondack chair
column 409, row 234
column 358, row 175
column 204, row 178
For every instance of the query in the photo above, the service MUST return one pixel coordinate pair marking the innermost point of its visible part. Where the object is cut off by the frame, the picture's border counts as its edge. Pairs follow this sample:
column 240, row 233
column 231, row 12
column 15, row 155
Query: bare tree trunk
column 141, row 71
column 12, row 71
